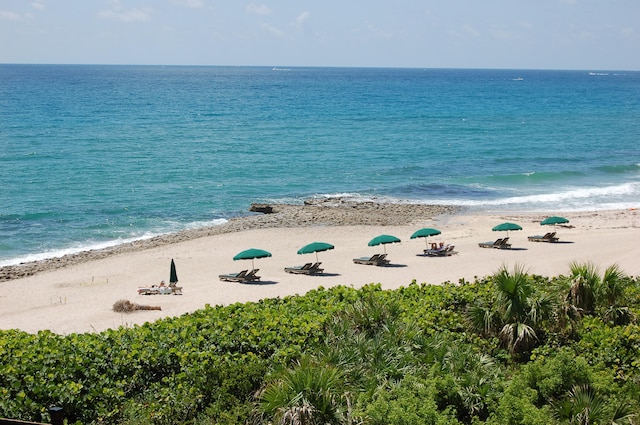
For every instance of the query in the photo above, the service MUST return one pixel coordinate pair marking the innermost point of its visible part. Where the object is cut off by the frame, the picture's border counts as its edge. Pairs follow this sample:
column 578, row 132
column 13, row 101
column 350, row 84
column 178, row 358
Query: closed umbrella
column 315, row 247
column 506, row 227
column 425, row 233
column 383, row 240
column 252, row 254
column 173, row 275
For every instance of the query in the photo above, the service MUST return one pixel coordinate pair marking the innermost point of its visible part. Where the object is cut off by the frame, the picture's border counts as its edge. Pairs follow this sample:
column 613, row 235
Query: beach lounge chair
column 443, row 251
column 148, row 290
column 252, row 276
column 315, row 269
column 549, row 237
column 366, row 260
column 504, row 244
column 374, row 260
column 490, row 244
column 306, row 269
column 155, row 290
column 243, row 276
column 234, row 277
column 175, row 290
column 298, row 269
column 435, row 249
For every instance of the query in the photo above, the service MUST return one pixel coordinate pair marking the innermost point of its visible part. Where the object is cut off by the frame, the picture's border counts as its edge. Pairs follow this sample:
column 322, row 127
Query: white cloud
column 10, row 16
column 258, row 9
column 191, row 4
column 628, row 32
column 302, row 18
column 272, row 30
column 118, row 13
column 132, row 15
column 470, row 30
column 38, row 4
column 501, row 33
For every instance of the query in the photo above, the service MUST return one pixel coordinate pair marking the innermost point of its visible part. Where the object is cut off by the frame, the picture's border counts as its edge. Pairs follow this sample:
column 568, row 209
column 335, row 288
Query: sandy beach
column 76, row 293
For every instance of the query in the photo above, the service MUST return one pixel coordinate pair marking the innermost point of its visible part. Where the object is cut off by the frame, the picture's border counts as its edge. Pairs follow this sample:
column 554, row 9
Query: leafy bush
column 397, row 357
column 408, row 402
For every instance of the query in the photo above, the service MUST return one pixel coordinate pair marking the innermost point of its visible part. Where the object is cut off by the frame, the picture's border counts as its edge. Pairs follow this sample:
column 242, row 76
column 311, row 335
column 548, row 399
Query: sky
column 500, row 34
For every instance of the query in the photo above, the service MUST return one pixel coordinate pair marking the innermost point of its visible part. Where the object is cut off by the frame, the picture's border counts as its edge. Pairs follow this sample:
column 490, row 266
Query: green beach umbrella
column 315, row 247
column 251, row 254
column 506, row 227
column 173, row 275
column 383, row 240
column 553, row 221
column 425, row 233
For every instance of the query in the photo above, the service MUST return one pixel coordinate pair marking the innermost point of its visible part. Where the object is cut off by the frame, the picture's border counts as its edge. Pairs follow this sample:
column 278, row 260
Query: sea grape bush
column 92, row 375
column 405, row 356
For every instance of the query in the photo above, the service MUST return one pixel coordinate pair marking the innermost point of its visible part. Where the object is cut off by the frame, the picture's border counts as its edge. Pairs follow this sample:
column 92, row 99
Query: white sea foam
column 201, row 224
column 73, row 250
column 622, row 196
column 88, row 246
column 358, row 197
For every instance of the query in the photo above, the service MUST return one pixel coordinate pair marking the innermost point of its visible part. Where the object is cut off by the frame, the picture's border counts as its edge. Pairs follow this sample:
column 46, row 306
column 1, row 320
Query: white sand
column 79, row 298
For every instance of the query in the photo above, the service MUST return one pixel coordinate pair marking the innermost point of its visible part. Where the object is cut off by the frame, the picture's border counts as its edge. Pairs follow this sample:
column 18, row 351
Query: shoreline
column 77, row 295
column 332, row 212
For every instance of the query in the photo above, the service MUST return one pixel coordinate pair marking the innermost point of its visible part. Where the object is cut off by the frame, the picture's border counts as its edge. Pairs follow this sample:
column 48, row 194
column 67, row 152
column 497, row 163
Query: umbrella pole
column 316, row 256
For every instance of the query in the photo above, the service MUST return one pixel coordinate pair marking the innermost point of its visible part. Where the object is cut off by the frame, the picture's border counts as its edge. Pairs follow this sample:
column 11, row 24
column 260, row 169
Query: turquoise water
column 92, row 156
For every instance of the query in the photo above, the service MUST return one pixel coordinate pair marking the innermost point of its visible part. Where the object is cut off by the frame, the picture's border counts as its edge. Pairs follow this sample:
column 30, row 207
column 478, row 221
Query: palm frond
column 587, row 407
column 623, row 415
column 481, row 319
column 612, row 285
column 518, row 337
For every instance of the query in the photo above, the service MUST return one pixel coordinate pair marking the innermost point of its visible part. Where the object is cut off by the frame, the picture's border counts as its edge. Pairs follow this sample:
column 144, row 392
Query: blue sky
column 514, row 34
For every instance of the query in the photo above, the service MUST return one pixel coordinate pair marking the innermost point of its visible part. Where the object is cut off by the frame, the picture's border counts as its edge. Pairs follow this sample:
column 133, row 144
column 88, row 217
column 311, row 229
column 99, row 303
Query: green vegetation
column 512, row 348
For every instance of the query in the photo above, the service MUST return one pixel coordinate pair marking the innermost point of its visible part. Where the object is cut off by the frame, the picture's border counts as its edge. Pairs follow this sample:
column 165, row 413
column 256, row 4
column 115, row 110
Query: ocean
column 95, row 156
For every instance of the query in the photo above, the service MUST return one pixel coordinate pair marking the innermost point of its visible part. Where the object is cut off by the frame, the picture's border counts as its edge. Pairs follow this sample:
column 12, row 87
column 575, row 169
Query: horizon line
column 315, row 66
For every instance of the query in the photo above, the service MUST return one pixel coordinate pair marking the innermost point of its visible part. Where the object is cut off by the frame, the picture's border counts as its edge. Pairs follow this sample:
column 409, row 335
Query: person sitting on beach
column 161, row 285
